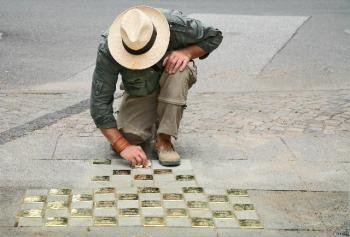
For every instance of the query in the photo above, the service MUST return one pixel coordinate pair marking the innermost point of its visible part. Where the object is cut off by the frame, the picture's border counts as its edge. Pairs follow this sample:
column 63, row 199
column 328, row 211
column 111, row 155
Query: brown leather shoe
column 165, row 150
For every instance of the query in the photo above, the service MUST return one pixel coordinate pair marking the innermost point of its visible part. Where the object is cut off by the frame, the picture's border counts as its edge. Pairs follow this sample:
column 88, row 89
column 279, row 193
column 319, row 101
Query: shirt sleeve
column 192, row 31
column 104, row 81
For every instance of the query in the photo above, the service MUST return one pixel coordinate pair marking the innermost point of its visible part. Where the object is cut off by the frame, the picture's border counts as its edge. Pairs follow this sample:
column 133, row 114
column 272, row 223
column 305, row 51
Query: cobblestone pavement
column 322, row 112
column 17, row 108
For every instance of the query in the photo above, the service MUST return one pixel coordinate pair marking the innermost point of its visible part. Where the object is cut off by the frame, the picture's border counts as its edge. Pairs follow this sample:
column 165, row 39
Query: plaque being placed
column 121, row 172
column 237, row 192
column 162, row 171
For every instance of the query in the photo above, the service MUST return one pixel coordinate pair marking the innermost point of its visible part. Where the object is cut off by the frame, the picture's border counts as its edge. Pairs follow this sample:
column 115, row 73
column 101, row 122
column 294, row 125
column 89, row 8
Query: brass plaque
column 128, row 196
column 172, row 196
column 193, row 190
column 57, row 205
column 243, row 207
column 151, row 203
column 104, row 190
column 105, row 221
column 60, row 191
column 185, row 177
column 104, row 204
column 202, row 222
column 218, row 198
column 162, row 171
column 237, row 192
column 121, row 172
column 176, row 212
column 31, row 199
column 253, row 224
column 198, row 204
column 81, row 212
column 153, row 221
column 81, row 197
column 30, row 213
column 143, row 177
column 223, row 214
column 100, row 178
column 102, row 162
column 148, row 190
column 56, row 221
column 129, row 212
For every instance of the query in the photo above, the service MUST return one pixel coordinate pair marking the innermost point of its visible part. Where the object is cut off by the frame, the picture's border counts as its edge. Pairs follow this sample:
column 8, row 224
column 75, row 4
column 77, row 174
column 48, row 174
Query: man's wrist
column 120, row 144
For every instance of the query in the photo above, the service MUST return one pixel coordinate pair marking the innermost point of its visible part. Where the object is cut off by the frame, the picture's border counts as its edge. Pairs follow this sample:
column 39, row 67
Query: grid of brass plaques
column 59, row 206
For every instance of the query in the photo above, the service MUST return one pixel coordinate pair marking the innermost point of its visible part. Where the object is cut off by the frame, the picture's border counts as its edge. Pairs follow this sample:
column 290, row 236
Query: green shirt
column 184, row 31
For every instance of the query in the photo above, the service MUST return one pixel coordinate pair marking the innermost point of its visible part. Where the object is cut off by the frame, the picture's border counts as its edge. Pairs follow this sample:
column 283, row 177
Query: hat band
column 144, row 49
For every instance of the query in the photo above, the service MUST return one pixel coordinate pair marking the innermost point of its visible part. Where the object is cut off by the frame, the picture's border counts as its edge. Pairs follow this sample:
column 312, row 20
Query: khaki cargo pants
column 138, row 116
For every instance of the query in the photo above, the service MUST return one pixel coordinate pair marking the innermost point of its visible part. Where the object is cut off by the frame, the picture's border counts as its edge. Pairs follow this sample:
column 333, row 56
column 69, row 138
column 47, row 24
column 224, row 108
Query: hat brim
column 149, row 58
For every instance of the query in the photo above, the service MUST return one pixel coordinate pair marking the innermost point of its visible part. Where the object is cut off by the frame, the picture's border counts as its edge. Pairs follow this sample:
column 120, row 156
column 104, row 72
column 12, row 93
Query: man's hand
column 179, row 59
column 176, row 60
column 135, row 155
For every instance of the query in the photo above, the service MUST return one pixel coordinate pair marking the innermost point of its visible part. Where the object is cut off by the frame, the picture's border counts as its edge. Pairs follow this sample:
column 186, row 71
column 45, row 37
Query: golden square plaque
column 121, row 172
column 148, row 190
column 243, row 207
column 30, row 213
column 60, row 191
column 105, row 221
column 218, row 198
column 100, row 178
column 128, row 196
column 129, row 212
column 153, row 221
column 250, row 224
column 162, row 171
column 32, row 199
column 105, row 204
column 193, row 189
column 174, row 212
column 237, row 192
column 102, row 162
column 223, row 214
column 105, row 190
column 81, row 212
column 56, row 221
column 81, row 197
column 185, row 177
column 143, row 177
column 172, row 196
column 57, row 205
column 198, row 204
column 151, row 203
column 202, row 222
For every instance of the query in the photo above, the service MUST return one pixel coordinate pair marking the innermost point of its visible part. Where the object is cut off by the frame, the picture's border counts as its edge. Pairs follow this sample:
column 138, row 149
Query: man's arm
column 196, row 40
column 101, row 105
column 178, row 59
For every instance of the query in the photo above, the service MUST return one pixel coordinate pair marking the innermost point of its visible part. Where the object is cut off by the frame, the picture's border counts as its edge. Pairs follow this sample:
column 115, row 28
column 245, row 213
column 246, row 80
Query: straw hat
column 139, row 37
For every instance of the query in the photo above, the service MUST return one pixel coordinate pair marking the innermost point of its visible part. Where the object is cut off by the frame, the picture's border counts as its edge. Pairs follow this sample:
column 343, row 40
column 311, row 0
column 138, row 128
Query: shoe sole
column 170, row 163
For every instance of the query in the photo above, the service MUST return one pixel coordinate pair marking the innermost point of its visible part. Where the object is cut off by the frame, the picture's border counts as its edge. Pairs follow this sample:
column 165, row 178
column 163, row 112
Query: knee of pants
column 132, row 138
column 174, row 87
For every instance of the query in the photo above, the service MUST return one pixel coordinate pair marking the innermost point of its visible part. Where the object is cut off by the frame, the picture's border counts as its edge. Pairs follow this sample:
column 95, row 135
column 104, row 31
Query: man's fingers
column 138, row 159
column 172, row 65
column 183, row 65
column 177, row 65
column 165, row 60
column 133, row 161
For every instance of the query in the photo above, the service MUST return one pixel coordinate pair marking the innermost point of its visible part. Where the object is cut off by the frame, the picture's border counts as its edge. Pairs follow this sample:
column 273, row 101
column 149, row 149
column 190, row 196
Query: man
column 152, row 49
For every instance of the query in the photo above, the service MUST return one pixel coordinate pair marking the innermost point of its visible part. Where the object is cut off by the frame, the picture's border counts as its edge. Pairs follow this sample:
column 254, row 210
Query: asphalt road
column 47, row 41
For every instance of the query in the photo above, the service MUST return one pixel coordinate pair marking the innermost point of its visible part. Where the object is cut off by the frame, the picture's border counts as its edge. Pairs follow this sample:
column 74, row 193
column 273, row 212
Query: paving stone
column 178, row 221
column 226, row 223
column 150, row 196
column 35, row 205
column 195, row 197
column 152, row 211
column 81, row 217
column 204, row 213
column 129, row 217
column 249, row 214
column 104, row 194
column 30, row 217
column 105, row 208
column 174, row 204
column 220, row 206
